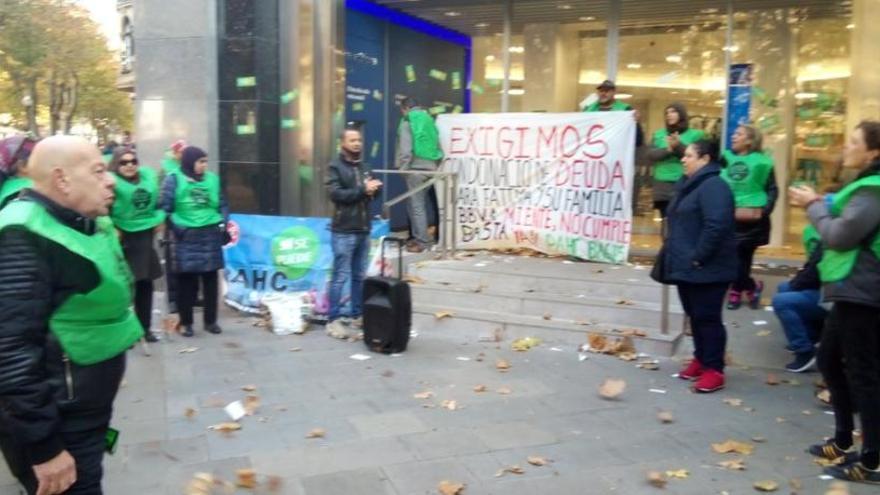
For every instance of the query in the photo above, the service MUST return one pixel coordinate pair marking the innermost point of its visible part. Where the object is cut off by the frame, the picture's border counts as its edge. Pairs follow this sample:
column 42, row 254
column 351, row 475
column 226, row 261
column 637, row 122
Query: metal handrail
column 449, row 180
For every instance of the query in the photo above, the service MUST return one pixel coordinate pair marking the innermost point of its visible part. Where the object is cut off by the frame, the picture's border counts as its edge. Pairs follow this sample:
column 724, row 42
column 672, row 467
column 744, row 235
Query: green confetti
column 437, row 74
column 476, row 88
column 410, row 74
column 289, row 123
column 246, row 129
column 457, row 109
column 357, row 106
column 245, row 82
column 375, row 151
column 289, row 96
column 377, row 95
column 456, row 80
column 438, row 109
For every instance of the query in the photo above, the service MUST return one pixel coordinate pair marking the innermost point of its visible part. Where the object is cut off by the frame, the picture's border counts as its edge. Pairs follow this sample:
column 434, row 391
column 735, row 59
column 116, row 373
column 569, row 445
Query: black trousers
column 143, row 302
column 703, row 304
column 187, row 289
column 87, row 449
column 745, row 255
column 849, row 359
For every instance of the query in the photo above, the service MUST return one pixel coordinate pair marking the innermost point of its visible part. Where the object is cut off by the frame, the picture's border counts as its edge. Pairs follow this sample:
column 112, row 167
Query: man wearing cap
column 65, row 320
column 608, row 103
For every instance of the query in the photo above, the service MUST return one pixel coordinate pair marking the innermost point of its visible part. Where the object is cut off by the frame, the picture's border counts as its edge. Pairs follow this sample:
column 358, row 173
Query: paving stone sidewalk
column 381, row 440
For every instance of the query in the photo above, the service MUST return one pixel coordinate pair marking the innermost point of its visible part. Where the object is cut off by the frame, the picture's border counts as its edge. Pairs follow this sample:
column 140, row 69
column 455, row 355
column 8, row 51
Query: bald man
column 65, row 320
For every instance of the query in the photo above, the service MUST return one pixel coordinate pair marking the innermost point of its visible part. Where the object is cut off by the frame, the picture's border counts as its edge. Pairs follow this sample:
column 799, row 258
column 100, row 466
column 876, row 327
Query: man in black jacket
column 65, row 320
column 351, row 189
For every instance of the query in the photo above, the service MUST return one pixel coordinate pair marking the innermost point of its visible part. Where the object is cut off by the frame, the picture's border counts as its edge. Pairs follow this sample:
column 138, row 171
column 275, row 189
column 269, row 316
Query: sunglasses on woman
column 123, row 163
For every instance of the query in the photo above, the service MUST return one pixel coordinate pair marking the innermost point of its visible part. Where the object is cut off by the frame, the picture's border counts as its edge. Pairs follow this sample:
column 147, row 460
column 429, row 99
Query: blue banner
column 271, row 254
column 739, row 98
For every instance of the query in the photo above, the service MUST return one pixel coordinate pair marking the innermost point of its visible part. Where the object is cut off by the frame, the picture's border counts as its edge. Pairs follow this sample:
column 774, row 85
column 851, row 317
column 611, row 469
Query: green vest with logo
column 12, row 187
column 747, row 176
column 197, row 203
column 670, row 168
column 425, row 138
column 99, row 324
column 617, row 106
column 837, row 265
column 135, row 207
column 811, row 240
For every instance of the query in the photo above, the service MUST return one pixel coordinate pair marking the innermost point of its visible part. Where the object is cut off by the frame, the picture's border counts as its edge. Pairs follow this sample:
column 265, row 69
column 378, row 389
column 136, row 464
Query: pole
column 505, row 56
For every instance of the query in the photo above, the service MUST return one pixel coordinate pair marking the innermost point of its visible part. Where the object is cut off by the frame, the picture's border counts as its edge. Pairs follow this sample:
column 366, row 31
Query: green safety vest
column 811, row 240
column 670, row 168
column 197, row 203
column 426, row 139
column 837, row 265
column 99, row 324
column 135, row 207
column 170, row 164
column 617, row 106
column 747, row 176
column 12, row 187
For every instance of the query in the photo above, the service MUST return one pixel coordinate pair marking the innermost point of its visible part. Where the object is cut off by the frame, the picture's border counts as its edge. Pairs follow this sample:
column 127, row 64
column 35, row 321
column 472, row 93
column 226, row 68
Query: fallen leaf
column 763, row 333
column 450, row 488
column 502, row 365
column 583, row 323
column 413, row 279
column 657, row 479
column 597, row 341
column 249, row 388
column 678, row 473
column 612, row 388
column 824, row 396
column 511, row 470
column 188, row 350
column 443, row 314
column 246, row 478
column 548, row 316
column 480, row 388
column 733, row 465
column 537, row 461
column 649, row 365
column 772, row 379
column 251, row 404
column 225, row 427
column 766, row 486
column 665, row 417
column 624, row 302
column 504, row 391
column 189, row 413
column 837, row 488
column 423, row 395
column 524, row 344
column 627, row 356
column 449, row 404
column 733, row 402
column 316, row 433
column 730, row 446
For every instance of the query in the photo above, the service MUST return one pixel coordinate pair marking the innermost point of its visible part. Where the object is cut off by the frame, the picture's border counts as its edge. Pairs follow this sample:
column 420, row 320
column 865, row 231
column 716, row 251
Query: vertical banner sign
column 555, row 183
column 739, row 98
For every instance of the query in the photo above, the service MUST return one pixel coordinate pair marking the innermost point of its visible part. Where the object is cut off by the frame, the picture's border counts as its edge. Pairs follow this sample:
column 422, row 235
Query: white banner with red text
column 558, row 183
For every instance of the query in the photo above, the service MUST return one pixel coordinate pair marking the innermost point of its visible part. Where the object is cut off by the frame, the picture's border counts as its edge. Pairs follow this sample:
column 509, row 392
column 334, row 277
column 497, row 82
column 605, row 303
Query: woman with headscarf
column 137, row 217
column 749, row 171
column 666, row 152
column 198, row 212
column 14, row 153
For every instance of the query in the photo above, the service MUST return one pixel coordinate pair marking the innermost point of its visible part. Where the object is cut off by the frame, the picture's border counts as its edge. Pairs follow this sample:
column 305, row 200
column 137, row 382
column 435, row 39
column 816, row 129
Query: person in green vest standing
column 14, row 153
column 418, row 148
column 171, row 160
column 667, row 149
column 196, row 205
column 849, row 350
column 749, row 171
column 606, row 101
column 65, row 320
column 137, row 217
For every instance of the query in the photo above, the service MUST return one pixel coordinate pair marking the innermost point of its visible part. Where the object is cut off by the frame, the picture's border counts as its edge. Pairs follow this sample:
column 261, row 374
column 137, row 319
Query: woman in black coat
column 198, row 213
column 699, row 257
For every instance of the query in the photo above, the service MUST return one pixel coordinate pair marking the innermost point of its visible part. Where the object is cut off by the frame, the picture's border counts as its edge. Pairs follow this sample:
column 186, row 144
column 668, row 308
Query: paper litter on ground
column 360, row 357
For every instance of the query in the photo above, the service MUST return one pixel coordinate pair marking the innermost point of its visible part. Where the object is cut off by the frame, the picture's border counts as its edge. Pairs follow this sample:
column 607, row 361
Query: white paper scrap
column 235, row 410
column 760, row 322
column 657, row 391
column 360, row 357
column 463, row 358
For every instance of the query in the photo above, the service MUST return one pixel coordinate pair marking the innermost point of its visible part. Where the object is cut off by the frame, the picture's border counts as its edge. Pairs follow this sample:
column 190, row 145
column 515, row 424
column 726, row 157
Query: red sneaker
column 710, row 381
column 692, row 371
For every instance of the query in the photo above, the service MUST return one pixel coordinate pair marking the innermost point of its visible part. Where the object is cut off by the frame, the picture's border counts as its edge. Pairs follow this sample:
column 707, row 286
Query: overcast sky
column 104, row 13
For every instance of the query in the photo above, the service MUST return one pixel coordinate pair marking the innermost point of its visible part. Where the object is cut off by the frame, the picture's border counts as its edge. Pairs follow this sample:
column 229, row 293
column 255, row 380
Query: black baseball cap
column 607, row 84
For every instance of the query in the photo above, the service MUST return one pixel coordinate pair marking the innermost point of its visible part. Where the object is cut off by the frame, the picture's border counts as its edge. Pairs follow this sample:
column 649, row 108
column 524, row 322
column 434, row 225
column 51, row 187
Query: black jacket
column 40, row 394
column 807, row 278
column 699, row 246
column 345, row 183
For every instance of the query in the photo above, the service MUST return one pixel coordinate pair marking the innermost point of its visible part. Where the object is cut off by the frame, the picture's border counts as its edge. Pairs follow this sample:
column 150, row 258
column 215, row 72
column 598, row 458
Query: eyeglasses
column 123, row 163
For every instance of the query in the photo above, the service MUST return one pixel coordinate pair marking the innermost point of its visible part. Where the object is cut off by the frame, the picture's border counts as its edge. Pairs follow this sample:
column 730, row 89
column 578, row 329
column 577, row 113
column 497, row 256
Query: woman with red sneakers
column 699, row 257
column 749, row 171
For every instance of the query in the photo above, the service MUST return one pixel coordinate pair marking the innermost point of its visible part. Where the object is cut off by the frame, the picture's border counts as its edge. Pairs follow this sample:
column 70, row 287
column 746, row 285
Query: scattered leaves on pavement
column 502, row 365
column 225, row 427
column 189, row 413
column 733, row 465
column 824, row 396
column 730, row 446
column 249, row 388
column 656, row 479
column 537, row 460
column 449, row 404
column 504, row 391
column 665, row 417
column 480, row 388
column 681, row 474
column 316, row 433
column 772, row 379
column 443, row 314
column 766, row 486
column 612, row 388
column 427, row 394
column 246, row 478
column 524, row 344
column 602, row 344
column 627, row 356
column 450, row 488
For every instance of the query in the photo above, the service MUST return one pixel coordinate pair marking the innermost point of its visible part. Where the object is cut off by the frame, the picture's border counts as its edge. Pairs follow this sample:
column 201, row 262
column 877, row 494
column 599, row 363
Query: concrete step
column 595, row 308
column 469, row 323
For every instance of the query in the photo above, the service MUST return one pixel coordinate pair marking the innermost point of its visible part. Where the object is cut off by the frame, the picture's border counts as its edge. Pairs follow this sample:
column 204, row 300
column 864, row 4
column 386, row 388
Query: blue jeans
column 350, row 252
column 800, row 315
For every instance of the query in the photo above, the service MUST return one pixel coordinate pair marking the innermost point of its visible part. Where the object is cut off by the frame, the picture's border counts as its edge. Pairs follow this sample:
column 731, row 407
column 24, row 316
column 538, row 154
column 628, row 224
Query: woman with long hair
column 137, row 218
column 749, row 171
column 666, row 152
column 849, row 350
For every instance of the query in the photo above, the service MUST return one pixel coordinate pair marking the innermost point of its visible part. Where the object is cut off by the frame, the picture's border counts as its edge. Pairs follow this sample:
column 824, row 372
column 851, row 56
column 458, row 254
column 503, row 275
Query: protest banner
column 556, row 183
column 273, row 254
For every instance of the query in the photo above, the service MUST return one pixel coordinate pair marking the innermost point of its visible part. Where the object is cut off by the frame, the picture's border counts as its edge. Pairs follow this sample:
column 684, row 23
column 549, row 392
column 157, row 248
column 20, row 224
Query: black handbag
column 658, row 272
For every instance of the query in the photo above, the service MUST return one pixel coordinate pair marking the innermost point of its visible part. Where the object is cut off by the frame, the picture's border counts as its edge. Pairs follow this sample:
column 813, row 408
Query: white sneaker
column 337, row 330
